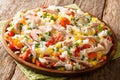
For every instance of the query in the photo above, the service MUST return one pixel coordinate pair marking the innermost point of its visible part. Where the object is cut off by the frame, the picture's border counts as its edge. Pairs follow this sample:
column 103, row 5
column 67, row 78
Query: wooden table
column 107, row 10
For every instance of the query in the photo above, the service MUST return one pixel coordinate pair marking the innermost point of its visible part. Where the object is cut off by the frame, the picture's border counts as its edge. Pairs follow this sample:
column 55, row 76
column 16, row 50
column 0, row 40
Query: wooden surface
column 107, row 10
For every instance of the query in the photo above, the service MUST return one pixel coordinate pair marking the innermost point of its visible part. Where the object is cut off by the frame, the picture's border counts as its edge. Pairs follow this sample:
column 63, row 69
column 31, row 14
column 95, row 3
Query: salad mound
column 59, row 38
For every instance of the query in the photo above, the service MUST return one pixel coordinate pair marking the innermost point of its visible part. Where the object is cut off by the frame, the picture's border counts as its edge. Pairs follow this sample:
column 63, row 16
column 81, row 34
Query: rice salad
column 59, row 38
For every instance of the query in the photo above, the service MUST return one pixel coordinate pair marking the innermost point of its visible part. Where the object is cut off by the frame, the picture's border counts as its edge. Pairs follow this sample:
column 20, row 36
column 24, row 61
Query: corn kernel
column 29, row 40
column 94, row 19
column 41, row 55
column 54, row 31
column 61, row 50
column 50, row 50
column 99, row 54
column 58, row 45
column 79, row 42
column 93, row 62
column 86, row 14
column 37, row 50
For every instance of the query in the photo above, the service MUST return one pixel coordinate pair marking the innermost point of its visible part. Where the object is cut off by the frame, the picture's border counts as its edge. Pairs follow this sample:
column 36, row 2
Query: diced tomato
column 10, row 33
column 77, row 52
column 70, row 13
column 62, row 58
column 64, row 21
column 14, row 43
column 92, row 40
column 103, row 58
column 25, row 55
column 38, row 63
column 49, row 42
column 92, row 55
column 11, row 46
column 55, row 38
column 110, row 38
column 85, row 46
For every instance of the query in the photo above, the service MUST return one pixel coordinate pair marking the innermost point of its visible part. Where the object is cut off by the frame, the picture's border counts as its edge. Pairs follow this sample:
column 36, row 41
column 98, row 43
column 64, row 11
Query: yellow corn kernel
column 93, row 31
column 58, row 45
column 55, row 16
column 61, row 50
column 71, row 17
column 79, row 41
column 29, row 40
column 40, row 36
column 50, row 49
column 23, row 21
column 41, row 55
column 77, row 38
column 54, row 31
column 21, row 32
column 93, row 62
column 37, row 50
column 94, row 19
column 86, row 14
column 99, row 54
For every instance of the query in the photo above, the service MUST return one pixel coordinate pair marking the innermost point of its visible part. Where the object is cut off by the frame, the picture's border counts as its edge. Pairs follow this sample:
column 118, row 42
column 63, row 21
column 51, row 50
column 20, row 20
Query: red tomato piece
column 92, row 55
column 55, row 38
column 85, row 46
column 64, row 22
column 38, row 63
column 62, row 58
column 70, row 13
column 25, row 55
column 77, row 54
column 10, row 33
column 11, row 46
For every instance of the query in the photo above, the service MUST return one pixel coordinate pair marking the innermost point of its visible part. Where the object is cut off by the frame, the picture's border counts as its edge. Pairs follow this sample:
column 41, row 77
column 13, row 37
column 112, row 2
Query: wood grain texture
column 7, row 65
column 112, row 15
column 19, row 75
column 94, row 7
column 8, row 8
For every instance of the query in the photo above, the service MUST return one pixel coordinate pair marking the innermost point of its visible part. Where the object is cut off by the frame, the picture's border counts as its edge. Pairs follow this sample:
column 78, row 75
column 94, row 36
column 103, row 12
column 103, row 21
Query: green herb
column 23, row 49
column 82, row 57
column 75, row 68
column 109, row 32
column 89, row 19
column 68, row 51
column 45, row 15
column 52, row 18
column 76, row 44
column 48, row 33
column 37, row 45
column 43, row 39
column 21, row 25
column 58, row 10
column 100, row 28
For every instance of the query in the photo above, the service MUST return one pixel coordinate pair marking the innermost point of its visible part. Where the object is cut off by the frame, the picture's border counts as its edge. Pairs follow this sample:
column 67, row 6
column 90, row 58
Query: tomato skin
column 38, row 63
column 92, row 55
column 11, row 46
column 64, row 22
column 55, row 38
column 10, row 33
column 62, row 58
column 85, row 46
column 24, row 56
column 70, row 13
column 77, row 54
